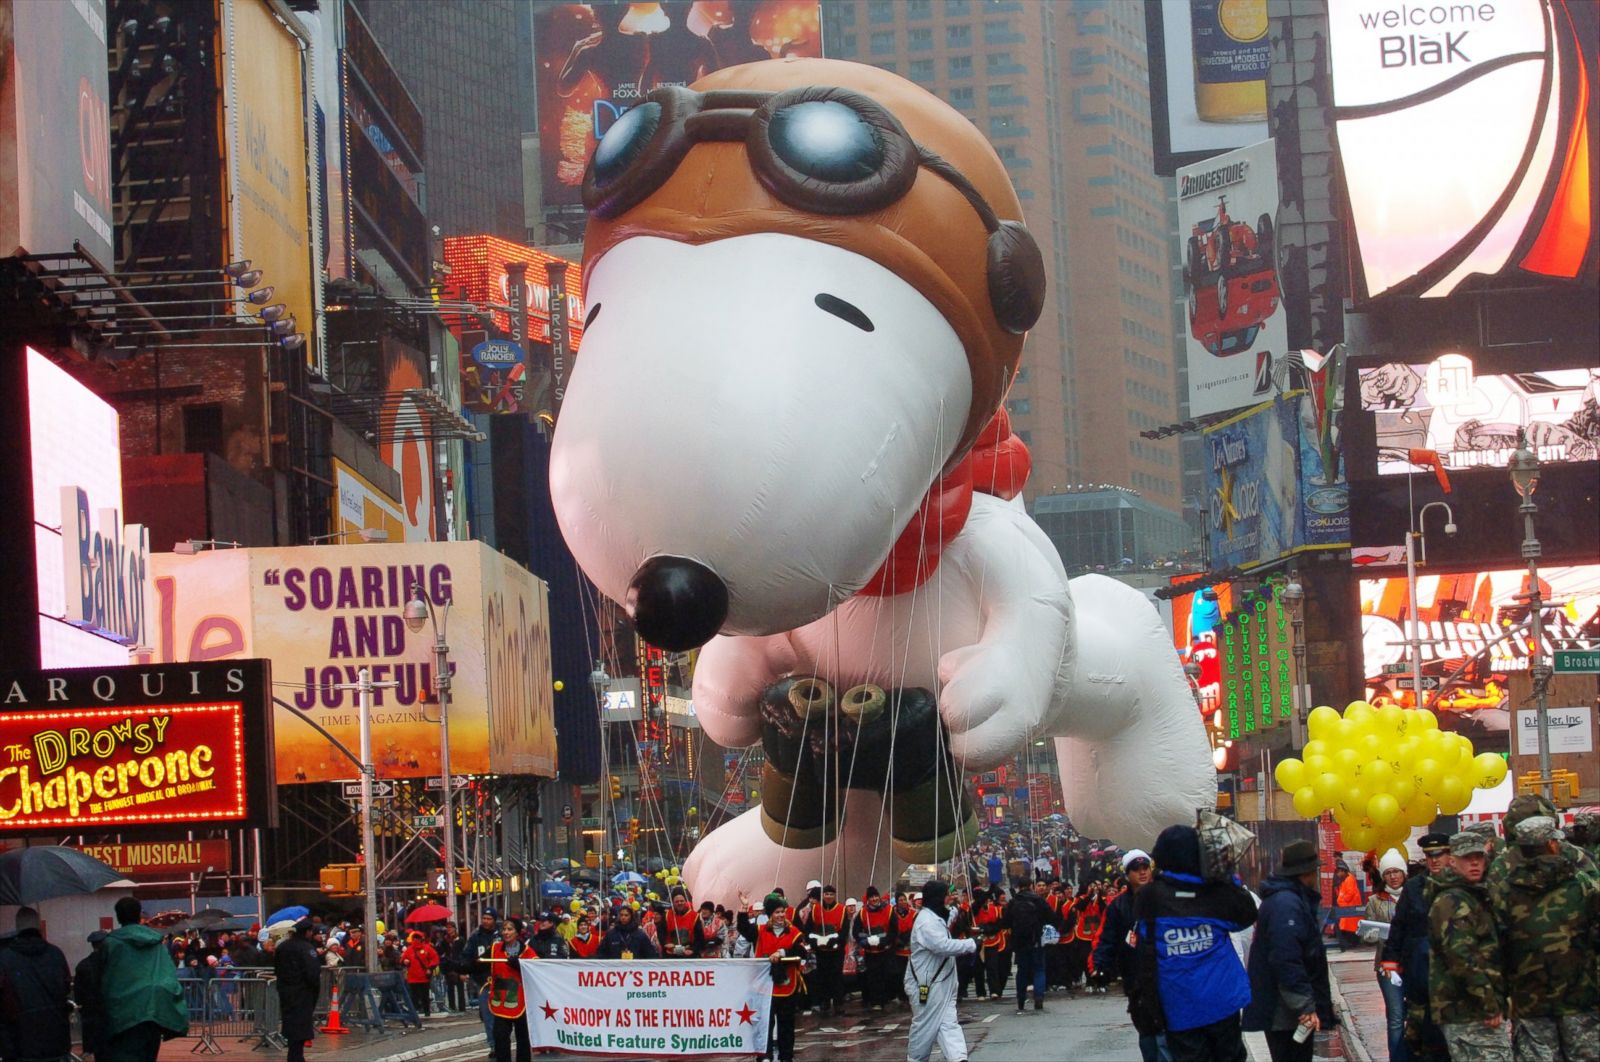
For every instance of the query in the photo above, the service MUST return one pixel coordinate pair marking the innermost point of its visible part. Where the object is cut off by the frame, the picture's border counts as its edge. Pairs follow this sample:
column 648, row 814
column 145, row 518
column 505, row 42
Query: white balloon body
column 717, row 413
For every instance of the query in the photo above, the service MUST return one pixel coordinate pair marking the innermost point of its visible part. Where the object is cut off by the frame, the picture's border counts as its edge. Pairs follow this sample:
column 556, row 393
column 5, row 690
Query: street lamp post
column 419, row 611
column 1414, row 540
column 600, row 682
column 1525, row 478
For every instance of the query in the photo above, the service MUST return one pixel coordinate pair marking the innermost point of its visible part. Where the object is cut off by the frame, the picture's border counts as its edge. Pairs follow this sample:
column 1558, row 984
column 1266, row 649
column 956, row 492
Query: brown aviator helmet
column 844, row 154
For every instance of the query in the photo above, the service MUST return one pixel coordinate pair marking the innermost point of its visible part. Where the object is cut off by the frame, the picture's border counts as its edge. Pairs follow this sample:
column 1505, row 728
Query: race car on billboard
column 1232, row 278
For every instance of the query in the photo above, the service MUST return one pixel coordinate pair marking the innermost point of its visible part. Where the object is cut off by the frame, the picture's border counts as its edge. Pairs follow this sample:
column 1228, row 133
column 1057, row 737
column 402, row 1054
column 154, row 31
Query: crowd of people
column 1487, row 949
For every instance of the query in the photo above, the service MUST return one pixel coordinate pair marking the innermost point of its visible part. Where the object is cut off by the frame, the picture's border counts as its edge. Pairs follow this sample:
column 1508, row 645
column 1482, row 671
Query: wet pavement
column 1087, row 1027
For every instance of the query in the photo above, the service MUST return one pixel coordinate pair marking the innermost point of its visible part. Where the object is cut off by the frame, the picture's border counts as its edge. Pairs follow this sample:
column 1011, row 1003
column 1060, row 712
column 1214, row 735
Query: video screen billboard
column 265, row 132
column 1466, row 138
column 89, row 567
column 1238, row 327
column 54, row 99
column 1463, row 623
column 1209, row 61
column 1471, row 421
column 90, row 749
column 594, row 61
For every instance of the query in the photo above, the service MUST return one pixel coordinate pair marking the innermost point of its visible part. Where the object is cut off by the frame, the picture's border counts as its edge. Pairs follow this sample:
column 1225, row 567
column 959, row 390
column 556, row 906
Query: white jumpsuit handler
column 931, row 980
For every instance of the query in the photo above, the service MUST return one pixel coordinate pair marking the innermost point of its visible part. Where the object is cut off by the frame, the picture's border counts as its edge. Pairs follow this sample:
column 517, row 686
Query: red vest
column 584, row 948
column 1089, row 919
column 828, row 920
column 785, row 976
column 505, row 983
column 995, row 937
column 680, row 928
column 902, row 929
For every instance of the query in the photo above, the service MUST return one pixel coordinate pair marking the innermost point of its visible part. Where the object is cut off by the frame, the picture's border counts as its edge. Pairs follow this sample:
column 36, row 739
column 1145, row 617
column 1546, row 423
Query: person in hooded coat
column 298, row 977
column 1187, row 921
column 139, row 991
column 931, row 979
column 1288, row 962
column 33, row 994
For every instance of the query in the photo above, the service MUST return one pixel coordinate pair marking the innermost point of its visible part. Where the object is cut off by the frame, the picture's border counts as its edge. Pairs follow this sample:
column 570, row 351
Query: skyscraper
column 1061, row 90
column 470, row 69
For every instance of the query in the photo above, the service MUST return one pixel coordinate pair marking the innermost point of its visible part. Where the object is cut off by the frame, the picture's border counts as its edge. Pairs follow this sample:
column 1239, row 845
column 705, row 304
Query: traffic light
column 633, row 830
column 340, row 879
column 616, row 788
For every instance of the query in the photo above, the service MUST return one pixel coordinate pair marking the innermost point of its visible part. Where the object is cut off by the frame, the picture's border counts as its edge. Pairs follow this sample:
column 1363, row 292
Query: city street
column 1082, row 1027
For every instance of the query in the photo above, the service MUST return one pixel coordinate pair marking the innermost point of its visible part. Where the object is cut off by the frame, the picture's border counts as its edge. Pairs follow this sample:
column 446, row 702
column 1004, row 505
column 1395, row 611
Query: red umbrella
column 428, row 912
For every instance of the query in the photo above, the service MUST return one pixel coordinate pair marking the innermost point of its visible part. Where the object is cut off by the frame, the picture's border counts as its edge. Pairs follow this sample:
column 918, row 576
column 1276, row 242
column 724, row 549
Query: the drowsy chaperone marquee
column 89, row 749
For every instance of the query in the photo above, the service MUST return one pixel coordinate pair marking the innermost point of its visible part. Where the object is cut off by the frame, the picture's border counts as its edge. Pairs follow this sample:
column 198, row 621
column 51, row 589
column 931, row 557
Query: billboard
column 164, row 860
column 1466, row 135
column 404, row 442
column 1463, row 620
column 359, row 505
column 1237, row 323
column 495, row 369
column 1255, row 669
column 90, row 749
column 265, row 132
column 54, row 110
column 1252, row 499
column 594, row 61
column 1471, row 421
column 1209, row 61
column 322, row 613
column 90, row 568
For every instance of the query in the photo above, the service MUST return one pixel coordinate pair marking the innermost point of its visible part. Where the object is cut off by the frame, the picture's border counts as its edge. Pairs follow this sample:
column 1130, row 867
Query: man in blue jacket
column 1187, row 920
column 1288, row 962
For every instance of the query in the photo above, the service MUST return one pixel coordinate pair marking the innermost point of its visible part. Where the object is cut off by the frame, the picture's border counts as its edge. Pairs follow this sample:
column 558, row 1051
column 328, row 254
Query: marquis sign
column 91, row 749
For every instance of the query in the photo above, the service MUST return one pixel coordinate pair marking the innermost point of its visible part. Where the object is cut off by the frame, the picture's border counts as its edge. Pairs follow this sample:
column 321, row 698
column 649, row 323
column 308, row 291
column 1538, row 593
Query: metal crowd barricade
column 394, row 998
column 238, row 1008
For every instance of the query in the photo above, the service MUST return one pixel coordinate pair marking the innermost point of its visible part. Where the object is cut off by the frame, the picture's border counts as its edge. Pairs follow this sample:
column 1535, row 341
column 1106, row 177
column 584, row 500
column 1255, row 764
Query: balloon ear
column 1016, row 277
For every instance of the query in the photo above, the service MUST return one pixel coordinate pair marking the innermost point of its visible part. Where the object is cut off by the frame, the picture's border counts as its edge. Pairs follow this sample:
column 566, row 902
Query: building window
column 883, row 42
column 961, row 98
column 1006, row 125
column 960, row 66
column 888, row 67
column 847, row 44
column 880, row 11
column 958, row 36
column 1019, row 405
column 202, row 430
column 919, row 8
column 920, row 39
column 920, row 70
column 999, row 33
column 1000, row 95
column 957, row 7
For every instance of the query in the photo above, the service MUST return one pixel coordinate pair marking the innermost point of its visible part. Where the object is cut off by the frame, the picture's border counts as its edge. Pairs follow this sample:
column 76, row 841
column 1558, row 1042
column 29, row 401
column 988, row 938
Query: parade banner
column 649, row 1007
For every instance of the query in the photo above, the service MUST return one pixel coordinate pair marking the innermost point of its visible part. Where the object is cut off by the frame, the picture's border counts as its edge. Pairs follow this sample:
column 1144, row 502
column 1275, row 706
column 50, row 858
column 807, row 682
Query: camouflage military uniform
column 1585, row 833
column 1547, row 912
column 1525, row 807
column 1465, row 986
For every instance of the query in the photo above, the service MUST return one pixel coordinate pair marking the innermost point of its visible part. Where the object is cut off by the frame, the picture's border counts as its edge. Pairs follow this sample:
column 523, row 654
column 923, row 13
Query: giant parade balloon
column 807, row 284
column 1383, row 770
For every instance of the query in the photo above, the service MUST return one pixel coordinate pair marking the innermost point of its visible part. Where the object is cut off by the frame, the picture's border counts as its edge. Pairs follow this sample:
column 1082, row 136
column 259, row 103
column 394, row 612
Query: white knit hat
column 1392, row 860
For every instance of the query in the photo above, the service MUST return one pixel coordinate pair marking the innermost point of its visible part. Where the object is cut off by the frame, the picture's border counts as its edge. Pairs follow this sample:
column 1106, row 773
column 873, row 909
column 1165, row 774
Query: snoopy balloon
column 807, row 285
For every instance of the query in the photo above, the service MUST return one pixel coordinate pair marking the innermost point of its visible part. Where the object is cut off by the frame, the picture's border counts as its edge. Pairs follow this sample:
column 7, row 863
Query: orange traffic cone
column 335, row 1025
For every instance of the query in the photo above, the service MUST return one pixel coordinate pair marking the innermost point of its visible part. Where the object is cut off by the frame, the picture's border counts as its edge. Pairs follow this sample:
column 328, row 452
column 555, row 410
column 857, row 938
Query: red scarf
column 997, row 464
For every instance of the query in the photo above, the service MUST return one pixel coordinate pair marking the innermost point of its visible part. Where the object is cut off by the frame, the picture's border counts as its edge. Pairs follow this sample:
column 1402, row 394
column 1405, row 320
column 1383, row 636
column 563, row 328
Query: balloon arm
column 729, row 679
column 1008, row 686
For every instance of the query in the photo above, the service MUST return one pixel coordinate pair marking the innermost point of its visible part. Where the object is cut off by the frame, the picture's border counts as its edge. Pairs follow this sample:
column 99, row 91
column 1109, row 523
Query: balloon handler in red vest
column 779, row 941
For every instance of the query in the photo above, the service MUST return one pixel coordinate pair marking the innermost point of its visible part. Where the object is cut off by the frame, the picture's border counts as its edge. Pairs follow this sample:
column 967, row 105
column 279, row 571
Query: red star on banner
column 746, row 1015
column 549, row 1011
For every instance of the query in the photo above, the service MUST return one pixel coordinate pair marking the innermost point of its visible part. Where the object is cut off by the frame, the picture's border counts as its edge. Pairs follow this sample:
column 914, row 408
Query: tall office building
column 1061, row 91
column 470, row 69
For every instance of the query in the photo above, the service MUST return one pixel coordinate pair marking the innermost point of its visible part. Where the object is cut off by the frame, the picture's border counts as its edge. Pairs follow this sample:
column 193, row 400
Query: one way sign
column 457, row 781
column 380, row 789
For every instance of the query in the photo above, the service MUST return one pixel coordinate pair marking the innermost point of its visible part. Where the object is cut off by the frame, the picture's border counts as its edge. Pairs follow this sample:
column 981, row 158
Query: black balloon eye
column 827, row 140
column 627, row 137
column 844, row 311
column 594, row 311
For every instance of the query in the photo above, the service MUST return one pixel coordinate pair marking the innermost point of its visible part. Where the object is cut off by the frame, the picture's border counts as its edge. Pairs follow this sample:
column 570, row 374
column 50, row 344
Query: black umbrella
column 28, row 875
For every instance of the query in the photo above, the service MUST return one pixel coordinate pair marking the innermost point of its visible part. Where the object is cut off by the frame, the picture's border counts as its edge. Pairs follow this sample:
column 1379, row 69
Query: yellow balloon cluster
column 1382, row 770
column 670, row 876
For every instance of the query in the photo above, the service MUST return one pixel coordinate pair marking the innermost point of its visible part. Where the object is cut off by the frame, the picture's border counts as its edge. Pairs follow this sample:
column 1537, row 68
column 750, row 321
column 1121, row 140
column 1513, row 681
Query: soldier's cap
column 1538, row 830
column 1434, row 842
column 1466, row 844
column 1486, row 828
column 1526, row 806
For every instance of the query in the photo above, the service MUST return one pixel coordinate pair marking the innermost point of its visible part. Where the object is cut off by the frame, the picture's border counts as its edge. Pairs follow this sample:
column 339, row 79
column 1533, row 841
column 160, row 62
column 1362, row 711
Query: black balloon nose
column 677, row 604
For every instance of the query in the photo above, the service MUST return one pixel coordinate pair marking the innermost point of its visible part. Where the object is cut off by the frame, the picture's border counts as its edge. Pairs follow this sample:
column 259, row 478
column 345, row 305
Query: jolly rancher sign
column 650, row 1007
column 91, row 749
